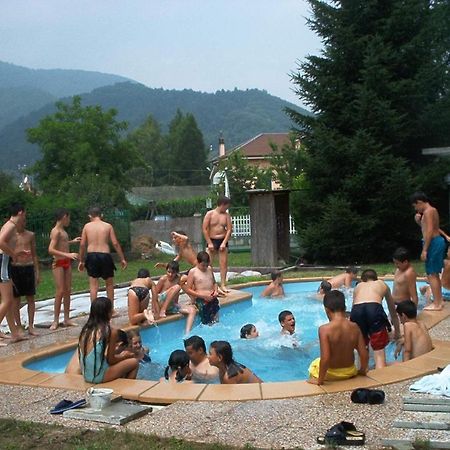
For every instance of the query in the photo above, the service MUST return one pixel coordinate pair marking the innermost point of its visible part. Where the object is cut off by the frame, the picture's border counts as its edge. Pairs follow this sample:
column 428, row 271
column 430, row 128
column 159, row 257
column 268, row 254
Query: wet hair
column 401, row 254
column 222, row 200
column 275, row 274
column 408, row 308
column 97, row 325
column 133, row 333
column 283, row 314
column 334, row 301
column 369, row 274
column 60, row 213
column 15, row 209
column 325, row 286
column 123, row 337
column 351, row 269
column 196, row 342
column 181, row 232
column 143, row 273
column 246, row 330
column 223, row 349
column 95, row 211
column 203, row 257
column 178, row 360
column 173, row 266
column 419, row 197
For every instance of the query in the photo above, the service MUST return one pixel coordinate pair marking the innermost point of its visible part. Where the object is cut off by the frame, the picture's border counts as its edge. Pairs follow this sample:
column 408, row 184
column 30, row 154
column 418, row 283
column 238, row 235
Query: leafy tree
column 83, row 154
column 380, row 82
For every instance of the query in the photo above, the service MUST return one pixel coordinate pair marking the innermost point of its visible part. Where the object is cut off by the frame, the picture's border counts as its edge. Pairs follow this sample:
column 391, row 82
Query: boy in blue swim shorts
column 427, row 217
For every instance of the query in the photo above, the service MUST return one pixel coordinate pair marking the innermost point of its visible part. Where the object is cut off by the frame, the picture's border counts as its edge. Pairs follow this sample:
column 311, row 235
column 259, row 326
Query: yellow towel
column 341, row 373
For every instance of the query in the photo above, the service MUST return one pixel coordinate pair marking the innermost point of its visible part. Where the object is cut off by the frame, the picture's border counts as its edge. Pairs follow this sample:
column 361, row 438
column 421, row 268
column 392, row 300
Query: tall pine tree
column 380, row 93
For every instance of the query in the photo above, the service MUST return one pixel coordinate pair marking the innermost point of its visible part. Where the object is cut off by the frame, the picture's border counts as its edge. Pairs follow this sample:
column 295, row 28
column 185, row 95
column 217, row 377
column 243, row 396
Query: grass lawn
column 46, row 288
column 15, row 435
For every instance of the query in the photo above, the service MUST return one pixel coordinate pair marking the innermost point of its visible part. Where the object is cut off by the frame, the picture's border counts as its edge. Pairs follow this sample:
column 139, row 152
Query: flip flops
column 65, row 405
column 371, row 396
column 343, row 433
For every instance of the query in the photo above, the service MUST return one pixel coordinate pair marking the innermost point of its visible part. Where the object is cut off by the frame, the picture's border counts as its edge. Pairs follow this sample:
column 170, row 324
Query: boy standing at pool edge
column 338, row 340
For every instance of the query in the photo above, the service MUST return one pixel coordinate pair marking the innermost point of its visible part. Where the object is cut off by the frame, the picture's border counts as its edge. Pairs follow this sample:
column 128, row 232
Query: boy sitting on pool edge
column 338, row 339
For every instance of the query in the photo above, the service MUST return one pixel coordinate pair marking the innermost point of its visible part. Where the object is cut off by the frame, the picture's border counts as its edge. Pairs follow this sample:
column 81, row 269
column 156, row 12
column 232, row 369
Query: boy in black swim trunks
column 202, row 286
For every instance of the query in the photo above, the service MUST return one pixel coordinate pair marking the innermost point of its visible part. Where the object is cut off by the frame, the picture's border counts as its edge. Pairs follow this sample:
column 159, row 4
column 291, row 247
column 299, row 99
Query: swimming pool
column 272, row 356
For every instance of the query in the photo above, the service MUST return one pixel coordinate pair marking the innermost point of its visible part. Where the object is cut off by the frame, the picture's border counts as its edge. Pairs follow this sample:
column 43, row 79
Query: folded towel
column 436, row 384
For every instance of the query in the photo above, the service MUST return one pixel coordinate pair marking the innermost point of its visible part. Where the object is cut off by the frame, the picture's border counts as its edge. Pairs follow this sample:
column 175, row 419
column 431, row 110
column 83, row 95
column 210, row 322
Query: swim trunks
column 174, row 308
column 99, row 265
column 340, row 373
column 373, row 322
column 163, row 296
column 141, row 292
column 217, row 243
column 23, row 278
column 5, row 268
column 207, row 310
column 64, row 263
column 445, row 293
column 435, row 256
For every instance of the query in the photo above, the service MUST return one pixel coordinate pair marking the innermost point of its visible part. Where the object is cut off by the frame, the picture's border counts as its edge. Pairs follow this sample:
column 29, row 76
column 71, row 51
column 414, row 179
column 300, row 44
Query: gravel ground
column 263, row 424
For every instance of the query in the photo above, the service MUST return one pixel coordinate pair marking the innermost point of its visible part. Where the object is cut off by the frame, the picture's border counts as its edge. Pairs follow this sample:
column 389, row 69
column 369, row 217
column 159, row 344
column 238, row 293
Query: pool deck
column 12, row 371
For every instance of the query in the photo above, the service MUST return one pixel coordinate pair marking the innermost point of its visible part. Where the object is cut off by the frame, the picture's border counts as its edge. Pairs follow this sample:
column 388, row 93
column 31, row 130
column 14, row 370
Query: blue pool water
column 271, row 356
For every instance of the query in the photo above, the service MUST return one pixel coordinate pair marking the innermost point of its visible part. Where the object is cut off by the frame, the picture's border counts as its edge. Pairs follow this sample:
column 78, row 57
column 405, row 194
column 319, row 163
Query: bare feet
column 2, row 344
column 434, row 307
column 4, row 336
column 222, row 290
column 162, row 314
column 69, row 323
column 54, row 326
column 32, row 331
column 18, row 338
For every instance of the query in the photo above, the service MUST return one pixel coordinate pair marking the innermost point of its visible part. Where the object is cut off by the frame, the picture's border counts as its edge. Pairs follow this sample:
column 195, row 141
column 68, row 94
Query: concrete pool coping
column 13, row 372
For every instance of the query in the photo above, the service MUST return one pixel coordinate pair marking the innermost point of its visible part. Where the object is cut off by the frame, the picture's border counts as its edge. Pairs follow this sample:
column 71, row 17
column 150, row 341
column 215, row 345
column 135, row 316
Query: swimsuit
column 141, row 292
column 23, row 278
column 207, row 310
column 89, row 366
column 435, row 256
column 5, row 268
column 217, row 243
column 445, row 293
column 100, row 265
column 65, row 263
column 339, row 373
column 373, row 322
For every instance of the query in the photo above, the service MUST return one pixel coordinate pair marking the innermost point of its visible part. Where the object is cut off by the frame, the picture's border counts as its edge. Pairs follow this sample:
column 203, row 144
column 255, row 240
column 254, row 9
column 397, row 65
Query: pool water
column 271, row 356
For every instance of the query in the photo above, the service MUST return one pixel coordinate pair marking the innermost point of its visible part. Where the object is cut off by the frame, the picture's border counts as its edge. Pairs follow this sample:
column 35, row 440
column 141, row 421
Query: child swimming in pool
column 324, row 287
column 345, row 279
column 230, row 371
column 178, row 367
column 287, row 322
column 275, row 288
column 97, row 347
column 338, row 340
column 142, row 353
column 249, row 331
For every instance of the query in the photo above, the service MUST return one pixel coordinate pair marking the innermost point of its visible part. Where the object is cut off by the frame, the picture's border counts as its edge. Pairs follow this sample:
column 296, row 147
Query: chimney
column 221, row 146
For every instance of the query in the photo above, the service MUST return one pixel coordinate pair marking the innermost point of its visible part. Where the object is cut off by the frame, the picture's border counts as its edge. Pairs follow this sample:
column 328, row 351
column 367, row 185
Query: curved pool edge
column 13, row 372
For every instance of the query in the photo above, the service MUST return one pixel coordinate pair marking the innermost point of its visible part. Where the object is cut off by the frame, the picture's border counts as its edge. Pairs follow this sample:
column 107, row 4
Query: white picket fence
column 241, row 226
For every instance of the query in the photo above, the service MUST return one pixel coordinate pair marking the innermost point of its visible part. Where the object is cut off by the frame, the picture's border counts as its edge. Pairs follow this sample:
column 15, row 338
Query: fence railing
column 241, row 225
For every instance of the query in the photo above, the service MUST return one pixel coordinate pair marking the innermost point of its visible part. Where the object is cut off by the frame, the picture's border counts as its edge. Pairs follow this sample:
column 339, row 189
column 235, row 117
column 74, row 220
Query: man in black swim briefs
column 368, row 313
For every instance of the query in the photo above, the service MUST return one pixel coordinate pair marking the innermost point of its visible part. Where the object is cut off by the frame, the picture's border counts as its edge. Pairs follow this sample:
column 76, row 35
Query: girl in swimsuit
column 178, row 367
column 99, row 362
column 138, row 300
column 230, row 371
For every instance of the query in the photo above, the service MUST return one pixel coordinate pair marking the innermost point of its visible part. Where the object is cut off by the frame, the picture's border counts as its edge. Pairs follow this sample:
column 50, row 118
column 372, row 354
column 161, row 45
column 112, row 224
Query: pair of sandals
column 370, row 396
column 343, row 433
column 65, row 405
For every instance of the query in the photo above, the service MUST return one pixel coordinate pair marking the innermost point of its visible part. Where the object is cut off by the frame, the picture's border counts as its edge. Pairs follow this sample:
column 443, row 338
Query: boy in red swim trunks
column 59, row 248
column 368, row 313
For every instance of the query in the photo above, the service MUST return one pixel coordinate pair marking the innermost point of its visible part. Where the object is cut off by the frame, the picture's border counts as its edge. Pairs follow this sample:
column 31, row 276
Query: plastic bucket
column 99, row 398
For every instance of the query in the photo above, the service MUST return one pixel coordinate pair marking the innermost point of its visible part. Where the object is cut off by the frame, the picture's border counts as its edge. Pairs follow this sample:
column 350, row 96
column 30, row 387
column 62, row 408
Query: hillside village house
column 257, row 151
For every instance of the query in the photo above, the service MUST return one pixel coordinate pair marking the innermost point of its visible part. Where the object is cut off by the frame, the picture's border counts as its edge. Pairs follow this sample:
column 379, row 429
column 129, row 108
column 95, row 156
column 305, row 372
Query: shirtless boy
column 274, row 289
column 184, row 248
column 9, row 252
column 287, row 322
column 217, row 230
column 202, row 286
column 368, row 313
column 338, row 340
column 433, row 248
column 96, row 236
column 404, row 278
column 59, row 248
column 417, row 341
column 344, row 279
column 168, row 291
column 324, row 287
column 25, row 275
column 201, row 370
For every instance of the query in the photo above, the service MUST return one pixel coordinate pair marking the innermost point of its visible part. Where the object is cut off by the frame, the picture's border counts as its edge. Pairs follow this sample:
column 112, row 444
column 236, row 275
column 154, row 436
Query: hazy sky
column 204, row 45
